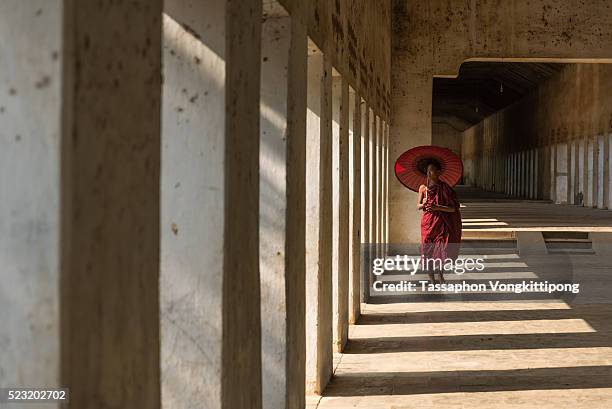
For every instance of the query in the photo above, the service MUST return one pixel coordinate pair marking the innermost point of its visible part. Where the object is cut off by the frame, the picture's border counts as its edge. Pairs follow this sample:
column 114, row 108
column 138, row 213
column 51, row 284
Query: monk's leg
column 432, row 277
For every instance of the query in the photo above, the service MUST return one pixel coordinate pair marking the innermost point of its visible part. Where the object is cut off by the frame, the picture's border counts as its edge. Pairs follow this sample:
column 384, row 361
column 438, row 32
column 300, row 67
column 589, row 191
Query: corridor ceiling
column 477, row 92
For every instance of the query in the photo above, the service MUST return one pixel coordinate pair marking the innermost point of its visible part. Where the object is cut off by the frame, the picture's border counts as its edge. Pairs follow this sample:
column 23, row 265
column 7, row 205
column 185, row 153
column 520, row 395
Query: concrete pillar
column 534, row 173
column 318, row 222
column 525, row 173
column 411, row 120
column 553, row 173
column 600, row 172
column 210, row 297
column 80, row 134
column 574, row 172
column 282, row 208
column 593, row 167
column 606, row 172
column 30, row 180
column 561, row 178
column 388, row 170
column 581, row 173
column 365, row 200
column 355, row 206
column 539, row 172
column 372, row 193
column 508, row 175
column 590, row 168
column 380, row 179
column 376, row 180
column 511, row 174
column 385, row 190
column 341, row 211
column 586, row 187
column 519, row 174
column 568, row 171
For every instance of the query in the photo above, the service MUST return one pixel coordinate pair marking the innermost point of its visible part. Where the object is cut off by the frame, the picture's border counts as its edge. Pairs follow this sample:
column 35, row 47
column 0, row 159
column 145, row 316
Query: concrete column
column 80, row 133
column 590, row 167
column 385, row 190
column 574, row 172
column 605, row 160
column 528, row 174
column 568, row 171
column 355, row 206
column 539, row 171
column 606, row 176
column 553, row 173
column 507, row 175
column 283, row 207
column 375, row 182
column 562, row 178
column 380, row 179
column 210, row 297
column 388, row 170
column 341, row 211
column 318, row 222
column 534, row 173
column 582, row 173
column 30, row 180
column 365, row 200
column 377, row 186
column 511, row 174
column 372, row 192
column 525, row 173
column 586, row 188
column 593, row 167
column 601, row 166
column 518, row 172
column 411, row 127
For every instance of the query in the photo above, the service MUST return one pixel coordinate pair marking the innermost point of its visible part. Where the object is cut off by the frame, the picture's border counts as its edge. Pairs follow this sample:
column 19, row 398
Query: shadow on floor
column 368, row 384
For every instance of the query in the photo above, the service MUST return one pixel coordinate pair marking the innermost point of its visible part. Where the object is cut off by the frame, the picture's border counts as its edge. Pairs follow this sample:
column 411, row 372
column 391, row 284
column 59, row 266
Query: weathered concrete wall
column 434, row 38
column 536, row 147
column 356, row 34
column 446, row 136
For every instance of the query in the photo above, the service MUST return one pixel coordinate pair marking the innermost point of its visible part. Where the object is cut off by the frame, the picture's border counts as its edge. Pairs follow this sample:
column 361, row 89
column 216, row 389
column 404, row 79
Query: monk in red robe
column 441, row 221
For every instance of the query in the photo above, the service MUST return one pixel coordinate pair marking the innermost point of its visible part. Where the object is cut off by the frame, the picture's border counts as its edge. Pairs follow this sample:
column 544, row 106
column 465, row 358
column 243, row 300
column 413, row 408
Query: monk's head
column 433, row 169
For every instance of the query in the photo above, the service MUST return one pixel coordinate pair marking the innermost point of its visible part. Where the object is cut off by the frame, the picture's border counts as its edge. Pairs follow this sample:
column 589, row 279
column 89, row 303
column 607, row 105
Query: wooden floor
column 528, row 350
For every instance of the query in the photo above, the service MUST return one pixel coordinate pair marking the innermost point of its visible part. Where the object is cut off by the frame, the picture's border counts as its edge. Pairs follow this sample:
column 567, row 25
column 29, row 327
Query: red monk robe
column 440, row 231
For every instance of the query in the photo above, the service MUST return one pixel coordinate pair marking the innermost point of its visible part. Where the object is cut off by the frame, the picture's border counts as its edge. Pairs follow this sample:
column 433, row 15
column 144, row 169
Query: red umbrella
column 410, row 167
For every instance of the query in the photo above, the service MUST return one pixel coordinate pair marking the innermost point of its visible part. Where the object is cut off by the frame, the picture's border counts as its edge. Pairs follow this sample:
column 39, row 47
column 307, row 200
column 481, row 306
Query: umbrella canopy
column 411, row 166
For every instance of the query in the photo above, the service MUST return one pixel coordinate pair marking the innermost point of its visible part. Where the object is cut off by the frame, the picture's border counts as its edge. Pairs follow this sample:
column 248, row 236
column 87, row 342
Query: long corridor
column 467, row 350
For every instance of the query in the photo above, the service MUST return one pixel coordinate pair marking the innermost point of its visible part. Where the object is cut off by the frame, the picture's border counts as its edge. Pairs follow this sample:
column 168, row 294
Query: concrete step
column 568, row 242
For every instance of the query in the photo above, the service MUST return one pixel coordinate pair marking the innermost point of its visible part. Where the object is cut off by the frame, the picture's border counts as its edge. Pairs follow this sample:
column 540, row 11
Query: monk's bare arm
column 420, row 203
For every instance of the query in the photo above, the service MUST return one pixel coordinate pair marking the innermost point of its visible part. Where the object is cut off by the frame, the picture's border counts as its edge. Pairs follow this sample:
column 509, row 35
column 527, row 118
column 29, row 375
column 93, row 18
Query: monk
column 441, row 221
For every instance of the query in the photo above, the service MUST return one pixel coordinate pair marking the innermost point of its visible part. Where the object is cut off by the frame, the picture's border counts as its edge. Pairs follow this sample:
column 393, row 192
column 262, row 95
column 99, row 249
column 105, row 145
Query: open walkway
column 507, row 350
